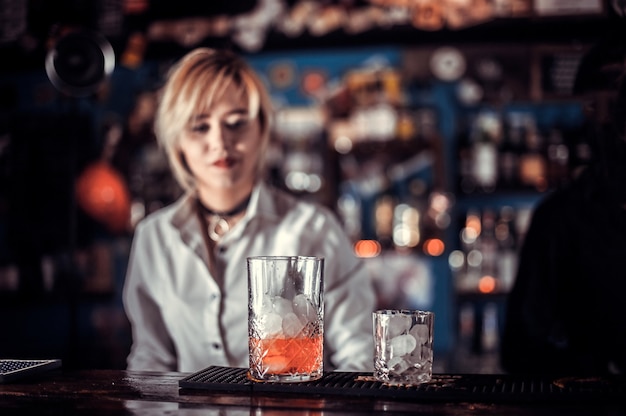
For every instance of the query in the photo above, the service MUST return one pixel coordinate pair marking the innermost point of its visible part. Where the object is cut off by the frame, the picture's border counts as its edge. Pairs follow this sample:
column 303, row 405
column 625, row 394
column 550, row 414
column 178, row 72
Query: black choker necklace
column 218, row 221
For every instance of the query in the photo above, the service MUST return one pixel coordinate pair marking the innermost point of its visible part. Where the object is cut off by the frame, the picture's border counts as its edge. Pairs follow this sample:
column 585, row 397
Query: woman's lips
column 224, row 163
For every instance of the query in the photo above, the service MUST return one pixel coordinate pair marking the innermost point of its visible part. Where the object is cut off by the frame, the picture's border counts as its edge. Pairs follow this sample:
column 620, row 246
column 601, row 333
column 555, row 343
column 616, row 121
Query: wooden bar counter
column 93, row 392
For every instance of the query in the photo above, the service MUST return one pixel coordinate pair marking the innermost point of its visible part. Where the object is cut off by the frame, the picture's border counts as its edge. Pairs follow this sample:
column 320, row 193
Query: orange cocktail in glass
column 289, row 356
column 285, row 318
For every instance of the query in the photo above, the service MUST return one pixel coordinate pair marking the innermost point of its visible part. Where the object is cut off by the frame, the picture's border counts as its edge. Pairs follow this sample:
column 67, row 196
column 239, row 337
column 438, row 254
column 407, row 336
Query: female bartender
column 186, row 285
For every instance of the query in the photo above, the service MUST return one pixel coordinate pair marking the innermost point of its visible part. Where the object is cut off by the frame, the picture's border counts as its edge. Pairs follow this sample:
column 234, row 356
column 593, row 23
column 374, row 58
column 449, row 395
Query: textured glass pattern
column 285, row 318
column 403, row 346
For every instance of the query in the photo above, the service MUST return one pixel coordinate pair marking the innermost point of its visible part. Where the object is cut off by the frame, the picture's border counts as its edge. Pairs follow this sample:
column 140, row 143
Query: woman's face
column 221, row 145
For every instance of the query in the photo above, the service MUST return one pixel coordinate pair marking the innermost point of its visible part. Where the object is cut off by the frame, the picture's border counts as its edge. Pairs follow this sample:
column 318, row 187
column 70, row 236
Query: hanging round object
column 447, row 63
column 79, row 62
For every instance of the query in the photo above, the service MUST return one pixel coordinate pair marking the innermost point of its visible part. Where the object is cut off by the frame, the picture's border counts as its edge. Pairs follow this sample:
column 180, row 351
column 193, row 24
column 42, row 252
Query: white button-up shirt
column 185, row 319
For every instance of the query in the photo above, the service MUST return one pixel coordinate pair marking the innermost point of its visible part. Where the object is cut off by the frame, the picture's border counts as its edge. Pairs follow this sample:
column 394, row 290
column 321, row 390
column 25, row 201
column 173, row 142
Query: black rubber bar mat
column 443, row 387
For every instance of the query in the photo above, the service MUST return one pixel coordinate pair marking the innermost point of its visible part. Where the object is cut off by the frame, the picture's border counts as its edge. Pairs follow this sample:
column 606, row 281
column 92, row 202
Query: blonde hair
column 197, row 81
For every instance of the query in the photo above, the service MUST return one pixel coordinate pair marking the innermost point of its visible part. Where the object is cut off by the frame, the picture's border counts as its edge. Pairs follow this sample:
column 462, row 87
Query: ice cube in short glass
column 402, row 345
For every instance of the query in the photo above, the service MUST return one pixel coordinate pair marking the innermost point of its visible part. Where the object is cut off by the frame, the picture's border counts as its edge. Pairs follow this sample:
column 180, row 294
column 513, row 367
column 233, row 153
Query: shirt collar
column 262, row 206
column 262, row 203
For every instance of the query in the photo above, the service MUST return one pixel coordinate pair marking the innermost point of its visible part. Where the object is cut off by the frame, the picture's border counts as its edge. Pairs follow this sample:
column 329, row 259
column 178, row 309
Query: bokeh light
column 367, row 248
column 434, row 247
column 487, row 284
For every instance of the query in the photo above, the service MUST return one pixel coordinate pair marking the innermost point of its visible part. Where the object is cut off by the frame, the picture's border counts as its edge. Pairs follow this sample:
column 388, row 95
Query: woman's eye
column 199, row 128
column 236, row 124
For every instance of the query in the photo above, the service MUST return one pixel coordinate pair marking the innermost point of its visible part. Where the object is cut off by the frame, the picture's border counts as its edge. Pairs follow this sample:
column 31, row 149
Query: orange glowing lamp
column 367, row 248
column 434, row 247
column 101, row 192
column 487, row 284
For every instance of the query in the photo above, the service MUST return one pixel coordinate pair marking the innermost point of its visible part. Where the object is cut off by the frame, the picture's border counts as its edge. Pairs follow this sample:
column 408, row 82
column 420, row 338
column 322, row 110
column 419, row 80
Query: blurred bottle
column 533, row 164
column 487, row 244
column 507, row 248
column 510, row 149
column 470, row 245
column 558, row 159
column 484, row 163
column 466, row 334
column 383, row 219
column 467, row 185
column 490, row 333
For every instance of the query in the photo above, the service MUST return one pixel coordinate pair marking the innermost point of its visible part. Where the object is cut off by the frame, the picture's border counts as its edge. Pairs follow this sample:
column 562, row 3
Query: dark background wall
column 63, row 253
